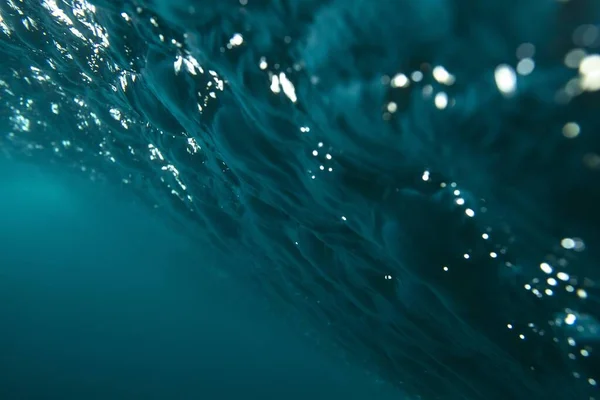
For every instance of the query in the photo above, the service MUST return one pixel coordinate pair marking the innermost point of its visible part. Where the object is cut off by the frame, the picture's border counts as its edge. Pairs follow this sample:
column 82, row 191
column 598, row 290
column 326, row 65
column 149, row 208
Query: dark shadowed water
column 407, row 190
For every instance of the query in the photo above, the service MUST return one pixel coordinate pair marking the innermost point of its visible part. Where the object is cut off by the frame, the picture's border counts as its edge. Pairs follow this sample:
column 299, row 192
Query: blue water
column 99, row 301
column 410, row 189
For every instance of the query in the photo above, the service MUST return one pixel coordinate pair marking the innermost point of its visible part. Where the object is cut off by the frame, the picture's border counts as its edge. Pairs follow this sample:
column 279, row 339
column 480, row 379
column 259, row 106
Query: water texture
column 418, row 178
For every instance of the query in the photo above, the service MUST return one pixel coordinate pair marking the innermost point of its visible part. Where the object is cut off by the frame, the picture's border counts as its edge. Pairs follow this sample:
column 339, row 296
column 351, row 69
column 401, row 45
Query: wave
column 417, row 178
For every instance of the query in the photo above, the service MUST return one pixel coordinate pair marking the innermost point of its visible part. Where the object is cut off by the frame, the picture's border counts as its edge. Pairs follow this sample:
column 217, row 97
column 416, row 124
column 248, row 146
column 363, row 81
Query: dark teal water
column 98, row 302
column 409, row 188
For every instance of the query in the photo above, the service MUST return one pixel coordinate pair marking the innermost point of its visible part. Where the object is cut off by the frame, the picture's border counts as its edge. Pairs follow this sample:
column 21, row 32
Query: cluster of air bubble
column 419, row 178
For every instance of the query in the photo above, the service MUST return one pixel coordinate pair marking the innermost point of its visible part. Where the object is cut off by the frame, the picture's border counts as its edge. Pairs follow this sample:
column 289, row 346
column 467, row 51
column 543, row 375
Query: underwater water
column 97, row 302
column 414, row 186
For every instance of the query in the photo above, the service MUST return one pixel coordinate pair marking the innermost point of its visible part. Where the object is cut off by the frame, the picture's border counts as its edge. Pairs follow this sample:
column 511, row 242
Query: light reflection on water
column 429, row 202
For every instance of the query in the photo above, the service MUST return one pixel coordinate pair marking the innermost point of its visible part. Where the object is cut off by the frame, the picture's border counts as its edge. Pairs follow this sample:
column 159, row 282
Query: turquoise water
column 417, row 182
column 99, row 301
